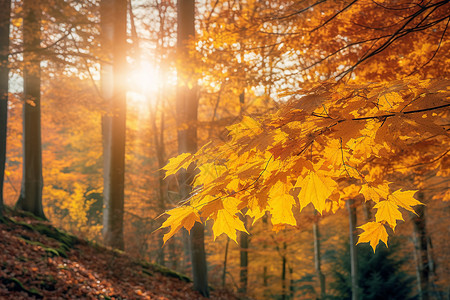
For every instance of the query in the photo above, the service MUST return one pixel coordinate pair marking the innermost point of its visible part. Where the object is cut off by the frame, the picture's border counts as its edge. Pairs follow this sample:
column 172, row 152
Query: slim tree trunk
column 283, row 272
column 317, row 257
column 158, row 141
column 187, row 105
column 243, row 274
column 416, row 259
column 5, row 20
column 421, row 245
column 291, row 283
column 30, row 198
column 353, row 253
column 367, row 210
column 173, row 256
column 265, row 275
column 113, row 24
column 160, row 153
column 225, row 259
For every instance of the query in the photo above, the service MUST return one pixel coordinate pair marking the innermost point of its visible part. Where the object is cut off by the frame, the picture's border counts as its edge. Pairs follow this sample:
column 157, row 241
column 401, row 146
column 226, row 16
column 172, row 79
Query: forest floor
column 39, row 261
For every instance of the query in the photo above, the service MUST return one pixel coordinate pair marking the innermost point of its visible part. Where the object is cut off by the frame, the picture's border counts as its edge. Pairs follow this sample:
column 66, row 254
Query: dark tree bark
column 243, row 274
column 283, row 272
column 421, row 250
column 30, row 198
column 353, row 253
column 367, row 210
column 187, row 106
column 162, row 189
column 317, row 257
column 114, row 25
column 244, row 238
column 225, row 259
column 265, row 273
column 291, row 283
column 5, row 20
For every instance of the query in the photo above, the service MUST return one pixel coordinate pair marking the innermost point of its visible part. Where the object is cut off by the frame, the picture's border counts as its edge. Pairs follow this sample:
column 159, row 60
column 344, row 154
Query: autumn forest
column 277, row 149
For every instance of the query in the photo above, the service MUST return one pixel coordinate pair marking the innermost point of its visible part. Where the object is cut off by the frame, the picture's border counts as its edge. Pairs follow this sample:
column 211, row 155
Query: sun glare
column 144, row 83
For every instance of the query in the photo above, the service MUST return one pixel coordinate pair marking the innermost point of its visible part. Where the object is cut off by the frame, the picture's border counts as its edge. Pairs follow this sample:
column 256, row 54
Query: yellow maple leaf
column 315, row 189
column 375, row 193
column 208, row 172
column 373, row 233
column 233, row 185
column 176, row 163
column 228, row 223
column 388, row 211
column 349, row 192
column 183, row 216
column 246, row 128
column 280, row 203
column 389, row 100
column 333, row 154
column 404, row 199
column 255, row 210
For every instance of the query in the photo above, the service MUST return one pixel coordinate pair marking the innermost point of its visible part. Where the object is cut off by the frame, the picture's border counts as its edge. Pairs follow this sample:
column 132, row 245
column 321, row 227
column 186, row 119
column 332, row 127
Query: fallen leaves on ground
column 33, row 266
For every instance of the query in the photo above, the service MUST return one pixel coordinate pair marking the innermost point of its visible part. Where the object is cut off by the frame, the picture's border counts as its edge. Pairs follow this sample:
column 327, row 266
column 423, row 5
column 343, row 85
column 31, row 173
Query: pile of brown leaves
column 38, row 261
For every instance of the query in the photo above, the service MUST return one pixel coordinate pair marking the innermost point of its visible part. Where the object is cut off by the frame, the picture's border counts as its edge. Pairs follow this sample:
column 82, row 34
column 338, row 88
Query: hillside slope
column 38, row 261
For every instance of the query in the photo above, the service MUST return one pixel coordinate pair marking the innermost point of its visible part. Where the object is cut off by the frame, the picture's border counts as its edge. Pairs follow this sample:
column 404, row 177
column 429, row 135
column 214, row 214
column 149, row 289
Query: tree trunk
column 283, row 272
column 113, row 24
column 187, row 105
column 160, row 153
column 421, row 247
column 173, row 256
column 265, row 275
column 158, row 140
column 243, row 274
column 291, row 283
column 225, row 259
column 353, row 253
column 4, row 74
column 317, row 257
column 367, row 210
column 30, row 198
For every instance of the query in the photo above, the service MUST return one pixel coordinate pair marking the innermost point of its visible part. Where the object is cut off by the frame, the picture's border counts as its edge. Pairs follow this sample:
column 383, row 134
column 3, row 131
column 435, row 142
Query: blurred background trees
column 247, row 57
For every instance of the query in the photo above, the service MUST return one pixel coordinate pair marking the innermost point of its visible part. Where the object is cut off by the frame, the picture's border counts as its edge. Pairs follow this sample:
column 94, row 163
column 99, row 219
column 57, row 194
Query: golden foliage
column 292, row 158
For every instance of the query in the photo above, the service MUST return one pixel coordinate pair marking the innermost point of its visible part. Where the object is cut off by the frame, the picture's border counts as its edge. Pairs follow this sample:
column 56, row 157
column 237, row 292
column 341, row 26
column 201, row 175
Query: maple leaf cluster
column 325, row 145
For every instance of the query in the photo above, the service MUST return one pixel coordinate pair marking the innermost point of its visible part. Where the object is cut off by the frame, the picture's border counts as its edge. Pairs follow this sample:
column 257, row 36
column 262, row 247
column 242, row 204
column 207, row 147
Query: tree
column 317, row 258
column 381, row 274
column 243, row 261
column 30, row 198
column 187, row 105
column 4, row 79
column 298, row 156
column 320, row 140
column 421, row 245
column 353, row 250
column 114, row 33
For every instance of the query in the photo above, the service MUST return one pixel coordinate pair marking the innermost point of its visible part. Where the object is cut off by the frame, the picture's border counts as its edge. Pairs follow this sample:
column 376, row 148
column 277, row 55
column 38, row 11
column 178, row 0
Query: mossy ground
column 39, row 261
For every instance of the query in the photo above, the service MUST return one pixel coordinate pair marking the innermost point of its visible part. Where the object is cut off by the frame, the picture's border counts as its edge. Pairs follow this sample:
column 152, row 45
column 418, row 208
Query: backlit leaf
column 388, row 211
column 183, row 216
column 178, row 162
column 315, row 189
column 227, row 222
column 373, row 233
column 281, row 203
column 405, row 199
column 375, row 193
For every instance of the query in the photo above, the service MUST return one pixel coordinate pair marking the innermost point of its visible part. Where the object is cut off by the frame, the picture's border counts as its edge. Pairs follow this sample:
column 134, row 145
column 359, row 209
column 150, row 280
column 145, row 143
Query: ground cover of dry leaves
column 38, row 261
